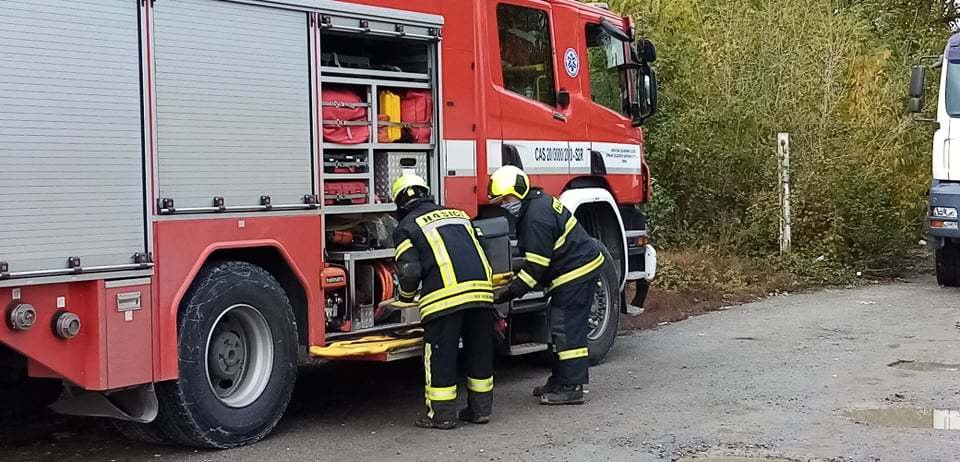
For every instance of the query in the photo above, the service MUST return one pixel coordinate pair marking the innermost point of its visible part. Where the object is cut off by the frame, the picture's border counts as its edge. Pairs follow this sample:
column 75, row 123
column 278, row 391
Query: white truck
column 942, row 216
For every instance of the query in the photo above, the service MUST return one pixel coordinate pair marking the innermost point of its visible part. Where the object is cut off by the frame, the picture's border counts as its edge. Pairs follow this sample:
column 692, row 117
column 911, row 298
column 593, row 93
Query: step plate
column 527, row 348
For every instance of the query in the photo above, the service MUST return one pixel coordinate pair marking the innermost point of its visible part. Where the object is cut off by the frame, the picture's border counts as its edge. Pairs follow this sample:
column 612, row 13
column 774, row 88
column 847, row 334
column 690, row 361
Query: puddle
column 735, row 459
column 907, row 417
column 924, row 366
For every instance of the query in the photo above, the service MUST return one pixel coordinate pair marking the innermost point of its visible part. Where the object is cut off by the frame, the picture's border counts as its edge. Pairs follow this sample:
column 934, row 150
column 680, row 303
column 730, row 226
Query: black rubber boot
column 444, row 416
column 545, row 388
column 479, row 407
column 563, row 394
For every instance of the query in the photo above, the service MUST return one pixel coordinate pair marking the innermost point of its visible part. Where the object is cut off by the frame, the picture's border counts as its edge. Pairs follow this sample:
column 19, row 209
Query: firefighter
column 563, row 258
column 437, row 252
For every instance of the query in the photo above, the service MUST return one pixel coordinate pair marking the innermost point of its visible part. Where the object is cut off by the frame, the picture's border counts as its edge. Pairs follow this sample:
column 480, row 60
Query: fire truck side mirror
column 917, row 77
column 645, row 105
column 647, row 51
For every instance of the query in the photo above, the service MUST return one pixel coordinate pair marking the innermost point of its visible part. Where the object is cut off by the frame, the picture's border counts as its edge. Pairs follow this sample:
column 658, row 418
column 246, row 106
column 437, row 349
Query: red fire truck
column 194, row 191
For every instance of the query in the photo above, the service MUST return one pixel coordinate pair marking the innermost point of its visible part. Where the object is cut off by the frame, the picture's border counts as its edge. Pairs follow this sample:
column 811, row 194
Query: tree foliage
column 833, row 74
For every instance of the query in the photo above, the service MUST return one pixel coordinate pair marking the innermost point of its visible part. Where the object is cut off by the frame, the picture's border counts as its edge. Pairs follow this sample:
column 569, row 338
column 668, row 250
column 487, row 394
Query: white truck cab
column 942, row 216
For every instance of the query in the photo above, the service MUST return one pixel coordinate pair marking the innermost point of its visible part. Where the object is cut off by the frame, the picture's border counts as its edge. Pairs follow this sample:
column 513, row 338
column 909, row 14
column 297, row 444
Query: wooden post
column 783, row 161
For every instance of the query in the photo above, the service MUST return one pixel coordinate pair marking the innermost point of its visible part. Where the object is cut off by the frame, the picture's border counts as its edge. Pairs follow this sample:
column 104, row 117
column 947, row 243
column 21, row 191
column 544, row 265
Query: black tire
column 948, row 265
column 234, row 324
column 603, row 334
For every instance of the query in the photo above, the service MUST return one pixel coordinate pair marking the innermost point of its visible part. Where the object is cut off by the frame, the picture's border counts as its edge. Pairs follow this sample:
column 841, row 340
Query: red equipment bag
column 345, row 192
column 344, row 116
column 416, row 113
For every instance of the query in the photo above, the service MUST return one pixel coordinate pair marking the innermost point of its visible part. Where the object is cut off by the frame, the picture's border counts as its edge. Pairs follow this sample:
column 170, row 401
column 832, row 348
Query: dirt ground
column 862, row 374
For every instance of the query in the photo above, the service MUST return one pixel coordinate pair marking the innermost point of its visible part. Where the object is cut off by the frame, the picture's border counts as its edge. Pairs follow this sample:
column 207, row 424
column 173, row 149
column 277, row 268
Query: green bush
column 833, row 74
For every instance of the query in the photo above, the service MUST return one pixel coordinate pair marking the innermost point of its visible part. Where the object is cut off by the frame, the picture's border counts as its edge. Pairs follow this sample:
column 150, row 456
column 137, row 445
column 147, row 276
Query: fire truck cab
column 195, row 192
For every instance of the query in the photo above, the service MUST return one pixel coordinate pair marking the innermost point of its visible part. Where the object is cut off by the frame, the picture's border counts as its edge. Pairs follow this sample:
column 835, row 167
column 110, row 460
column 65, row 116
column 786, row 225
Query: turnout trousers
column 569, row 315
column 441, row 341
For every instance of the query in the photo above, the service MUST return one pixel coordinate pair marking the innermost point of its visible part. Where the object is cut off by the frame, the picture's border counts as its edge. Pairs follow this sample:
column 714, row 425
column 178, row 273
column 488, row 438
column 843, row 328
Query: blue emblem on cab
column 572, row 62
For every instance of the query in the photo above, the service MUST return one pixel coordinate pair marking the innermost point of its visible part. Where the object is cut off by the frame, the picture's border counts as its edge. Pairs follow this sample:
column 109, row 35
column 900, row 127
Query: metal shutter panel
column 233, row 103
column 71, row 158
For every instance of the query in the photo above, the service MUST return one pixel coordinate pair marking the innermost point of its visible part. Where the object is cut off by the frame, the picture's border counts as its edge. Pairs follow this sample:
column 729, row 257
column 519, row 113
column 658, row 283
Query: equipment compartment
column 374, row 53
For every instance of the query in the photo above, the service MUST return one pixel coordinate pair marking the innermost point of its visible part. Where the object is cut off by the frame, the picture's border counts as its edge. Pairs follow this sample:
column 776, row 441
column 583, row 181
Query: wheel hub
column 229, row 354
column 239, row 356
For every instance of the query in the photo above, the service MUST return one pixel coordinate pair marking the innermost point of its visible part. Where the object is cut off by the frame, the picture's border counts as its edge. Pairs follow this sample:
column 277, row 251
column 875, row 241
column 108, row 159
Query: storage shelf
column 372, row 73
column 403, row 147
column 332, row 146
column 361, row 208
column 360, row 255
column 325, row 79
column 346, row 176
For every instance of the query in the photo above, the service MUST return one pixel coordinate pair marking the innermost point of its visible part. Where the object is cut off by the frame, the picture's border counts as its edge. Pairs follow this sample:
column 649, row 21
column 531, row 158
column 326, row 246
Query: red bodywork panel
column 110, row 351
column 182, row 247
column 115, row 350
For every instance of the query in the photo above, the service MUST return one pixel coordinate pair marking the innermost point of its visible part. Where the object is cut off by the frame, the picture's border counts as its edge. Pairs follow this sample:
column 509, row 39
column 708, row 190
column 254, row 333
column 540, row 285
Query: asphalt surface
column 788, row 377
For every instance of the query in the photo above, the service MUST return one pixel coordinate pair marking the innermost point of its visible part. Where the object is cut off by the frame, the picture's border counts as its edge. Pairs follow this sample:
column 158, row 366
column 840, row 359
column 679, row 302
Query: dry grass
column 692, row 282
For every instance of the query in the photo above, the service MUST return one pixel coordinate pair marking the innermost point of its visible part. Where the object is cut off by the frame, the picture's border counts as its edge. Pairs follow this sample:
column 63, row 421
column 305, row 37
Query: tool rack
column 368, row 82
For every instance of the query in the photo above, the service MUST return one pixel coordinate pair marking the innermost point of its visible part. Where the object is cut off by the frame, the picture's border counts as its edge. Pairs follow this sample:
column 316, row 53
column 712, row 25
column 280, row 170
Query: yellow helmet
column 406, row 182
column 508, row 180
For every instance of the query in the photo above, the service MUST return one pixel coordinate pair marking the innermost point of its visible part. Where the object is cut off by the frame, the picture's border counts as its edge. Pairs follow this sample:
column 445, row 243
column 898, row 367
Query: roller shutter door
column 71, row 154
column 233, row 103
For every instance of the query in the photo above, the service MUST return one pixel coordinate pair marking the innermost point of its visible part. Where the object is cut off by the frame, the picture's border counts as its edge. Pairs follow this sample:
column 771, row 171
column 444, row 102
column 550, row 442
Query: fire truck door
column 535, row 79
column 605, row 82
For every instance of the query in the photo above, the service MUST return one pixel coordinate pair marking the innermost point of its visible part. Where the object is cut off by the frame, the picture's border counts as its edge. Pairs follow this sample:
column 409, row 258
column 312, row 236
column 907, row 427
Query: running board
column 527, row 348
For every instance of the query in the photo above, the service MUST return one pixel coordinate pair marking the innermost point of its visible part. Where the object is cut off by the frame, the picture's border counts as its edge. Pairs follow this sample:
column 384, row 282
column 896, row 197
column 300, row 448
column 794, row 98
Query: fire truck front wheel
column 237, row 357
column 604, row 321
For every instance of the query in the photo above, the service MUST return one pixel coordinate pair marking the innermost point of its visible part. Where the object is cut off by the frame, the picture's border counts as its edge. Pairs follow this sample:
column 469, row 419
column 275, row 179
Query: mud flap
column 138, row 404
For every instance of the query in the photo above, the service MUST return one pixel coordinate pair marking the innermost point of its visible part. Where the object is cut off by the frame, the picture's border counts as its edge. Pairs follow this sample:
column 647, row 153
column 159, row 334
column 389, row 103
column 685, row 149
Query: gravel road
column 839, row 375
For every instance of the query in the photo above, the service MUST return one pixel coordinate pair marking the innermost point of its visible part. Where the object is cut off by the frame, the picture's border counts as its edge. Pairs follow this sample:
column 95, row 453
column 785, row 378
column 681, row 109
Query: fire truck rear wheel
column 238, row 359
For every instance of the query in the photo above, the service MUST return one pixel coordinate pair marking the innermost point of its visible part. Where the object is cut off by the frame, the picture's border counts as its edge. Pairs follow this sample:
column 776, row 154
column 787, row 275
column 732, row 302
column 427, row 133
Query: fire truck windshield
column 952, row 89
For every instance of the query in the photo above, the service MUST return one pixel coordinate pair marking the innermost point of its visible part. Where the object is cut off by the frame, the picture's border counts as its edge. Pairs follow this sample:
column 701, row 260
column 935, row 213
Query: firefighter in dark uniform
column 439, row 257
column 561, row 257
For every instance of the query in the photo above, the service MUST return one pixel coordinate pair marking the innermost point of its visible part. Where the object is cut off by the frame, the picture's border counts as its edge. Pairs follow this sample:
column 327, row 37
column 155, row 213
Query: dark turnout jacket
column 557, row 250
column 437, row 250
